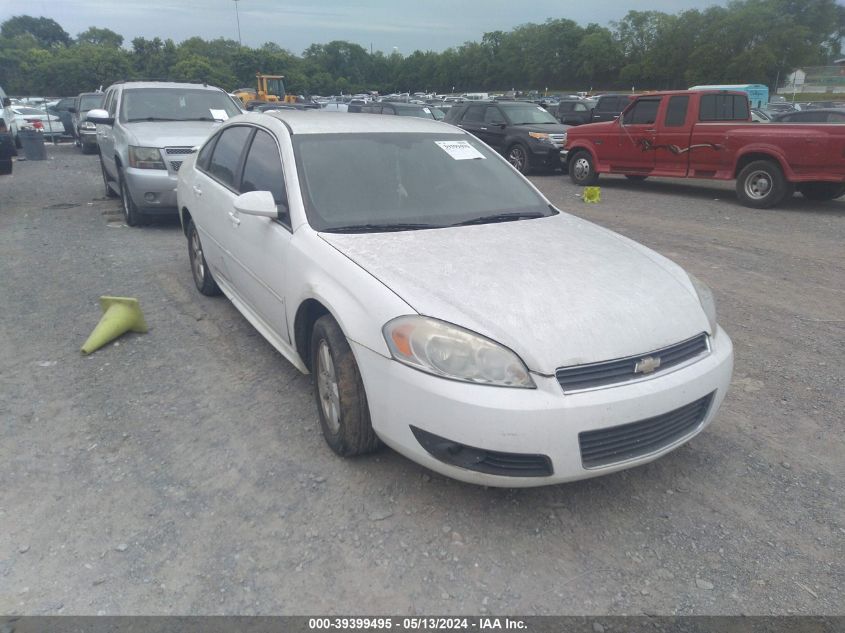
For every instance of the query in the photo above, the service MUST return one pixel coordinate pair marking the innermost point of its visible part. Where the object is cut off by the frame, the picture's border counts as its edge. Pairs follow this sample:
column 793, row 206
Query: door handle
column 198, row 191
column 484, row 129
column 234, row 218
column 651, row 131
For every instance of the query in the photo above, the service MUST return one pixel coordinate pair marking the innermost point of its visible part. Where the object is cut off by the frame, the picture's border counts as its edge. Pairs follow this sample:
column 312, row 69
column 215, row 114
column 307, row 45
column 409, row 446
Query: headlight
column 450, row 351
column 708, row 303
column 540, row 136
column 145, row 158
column 87, row 125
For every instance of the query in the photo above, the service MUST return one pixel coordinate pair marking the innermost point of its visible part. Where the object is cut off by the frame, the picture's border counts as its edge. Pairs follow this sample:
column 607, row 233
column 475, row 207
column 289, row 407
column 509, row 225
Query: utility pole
column 238, row 18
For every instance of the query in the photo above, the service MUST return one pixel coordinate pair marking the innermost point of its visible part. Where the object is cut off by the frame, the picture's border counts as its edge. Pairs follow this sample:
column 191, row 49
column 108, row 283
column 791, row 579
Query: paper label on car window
column 219, row 115
column 459, row 150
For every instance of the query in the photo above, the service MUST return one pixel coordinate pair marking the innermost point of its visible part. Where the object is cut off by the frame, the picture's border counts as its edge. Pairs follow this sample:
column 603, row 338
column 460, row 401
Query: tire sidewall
column 526, row 163
column 591, row 178
column 777, row 191
column 130, row 212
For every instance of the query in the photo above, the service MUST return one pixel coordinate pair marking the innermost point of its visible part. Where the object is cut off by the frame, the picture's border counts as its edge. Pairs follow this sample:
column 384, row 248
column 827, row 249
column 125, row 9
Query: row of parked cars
column 56, row 119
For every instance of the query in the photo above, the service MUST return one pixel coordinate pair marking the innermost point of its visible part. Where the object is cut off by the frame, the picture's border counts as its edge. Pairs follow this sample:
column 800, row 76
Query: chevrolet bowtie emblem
column 647, row 365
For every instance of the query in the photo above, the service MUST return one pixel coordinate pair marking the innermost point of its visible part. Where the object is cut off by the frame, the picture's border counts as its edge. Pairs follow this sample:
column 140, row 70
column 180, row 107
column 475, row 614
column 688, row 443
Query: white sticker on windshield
column 426, row 110
column 219, row 115
column 459, row 150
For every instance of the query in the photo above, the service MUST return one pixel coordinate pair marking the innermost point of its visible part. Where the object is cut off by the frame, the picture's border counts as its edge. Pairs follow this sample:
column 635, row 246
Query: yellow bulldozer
column 270, row 89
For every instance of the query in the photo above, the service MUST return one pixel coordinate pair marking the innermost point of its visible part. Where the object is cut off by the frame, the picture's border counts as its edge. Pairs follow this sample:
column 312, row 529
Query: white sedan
column 444, row 306
column 25, row 117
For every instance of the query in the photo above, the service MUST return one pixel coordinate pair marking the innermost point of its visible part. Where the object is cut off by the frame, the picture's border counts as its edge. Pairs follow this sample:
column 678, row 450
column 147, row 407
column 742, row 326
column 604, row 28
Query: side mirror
column 100, row 117
column 258, row 203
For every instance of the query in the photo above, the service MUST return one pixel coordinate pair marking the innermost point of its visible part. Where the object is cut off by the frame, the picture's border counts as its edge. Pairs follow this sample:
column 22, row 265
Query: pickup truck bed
column 708, row 134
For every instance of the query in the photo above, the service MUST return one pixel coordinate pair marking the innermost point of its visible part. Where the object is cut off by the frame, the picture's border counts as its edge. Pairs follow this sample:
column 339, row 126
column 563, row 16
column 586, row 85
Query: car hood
column 170, row 133
column 557, row 128
column 558, row 291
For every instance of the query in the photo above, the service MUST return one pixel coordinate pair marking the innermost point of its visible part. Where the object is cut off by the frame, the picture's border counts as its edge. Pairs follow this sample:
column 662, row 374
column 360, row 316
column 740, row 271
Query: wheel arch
column 303, row 326
column 762, row 154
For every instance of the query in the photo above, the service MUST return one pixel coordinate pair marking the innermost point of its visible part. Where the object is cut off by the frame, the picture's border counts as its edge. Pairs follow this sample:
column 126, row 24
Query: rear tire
column 203, row 279
column 761, row 185
column 339, row 392
column 821, row 190
column 582, row 170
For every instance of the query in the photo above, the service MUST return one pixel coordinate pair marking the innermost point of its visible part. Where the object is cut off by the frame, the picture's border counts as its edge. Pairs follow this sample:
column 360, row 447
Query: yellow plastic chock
column 592, row 194
column 120, row 315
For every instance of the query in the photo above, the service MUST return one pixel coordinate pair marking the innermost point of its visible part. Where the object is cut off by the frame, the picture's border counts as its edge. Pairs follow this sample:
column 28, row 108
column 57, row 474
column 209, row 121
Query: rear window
column 723, row 108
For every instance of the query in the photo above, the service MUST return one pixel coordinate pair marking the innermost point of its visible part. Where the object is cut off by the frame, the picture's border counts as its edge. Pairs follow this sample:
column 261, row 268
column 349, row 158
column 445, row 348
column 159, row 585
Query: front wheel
column 131, row 213
column 109, row 191
column 339, row 392
column 821, row 190
column 582, row 170
column 761, row 185
column 518, row 157
column 199, row 267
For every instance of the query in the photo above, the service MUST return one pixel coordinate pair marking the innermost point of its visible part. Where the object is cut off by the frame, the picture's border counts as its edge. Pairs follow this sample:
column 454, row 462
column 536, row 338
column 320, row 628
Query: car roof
column 316, row 122
column 165, row 84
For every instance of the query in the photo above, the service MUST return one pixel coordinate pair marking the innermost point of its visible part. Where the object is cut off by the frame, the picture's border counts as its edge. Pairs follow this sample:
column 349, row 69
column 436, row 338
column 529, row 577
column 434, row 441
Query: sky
column 386, row 25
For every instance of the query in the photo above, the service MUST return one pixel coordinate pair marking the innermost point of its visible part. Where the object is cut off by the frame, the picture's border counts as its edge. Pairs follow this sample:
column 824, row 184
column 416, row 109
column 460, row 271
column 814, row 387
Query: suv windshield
column 89, row 102
column 528, row 114
column 175, row 104
column 397, row 181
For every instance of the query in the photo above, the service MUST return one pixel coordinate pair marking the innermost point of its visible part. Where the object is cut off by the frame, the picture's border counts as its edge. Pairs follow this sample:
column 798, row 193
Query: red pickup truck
column 709, row 134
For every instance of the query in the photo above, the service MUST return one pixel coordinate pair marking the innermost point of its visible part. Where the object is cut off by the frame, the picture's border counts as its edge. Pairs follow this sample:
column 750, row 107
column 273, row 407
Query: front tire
column 339, row 392
column 203, row 279
column 761, row 185
column 131, row 213
column 109, row 191
column 517, row 156
column 821, row 190
column 582, row 170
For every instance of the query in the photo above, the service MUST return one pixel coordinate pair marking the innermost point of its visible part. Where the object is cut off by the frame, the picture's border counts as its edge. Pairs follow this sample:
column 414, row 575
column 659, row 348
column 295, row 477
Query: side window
column 579, row 107
column 227, row 154
column 112, row 103
column 493, row 116
column 676, row 113
column 205, row 153
column 474, row 114
column 644, row 112
column 606, row 104
column 263, row 169
column 722, row 107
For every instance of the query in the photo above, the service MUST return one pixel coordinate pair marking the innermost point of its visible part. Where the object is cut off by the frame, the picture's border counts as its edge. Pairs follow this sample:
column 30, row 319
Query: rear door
column 473, row 120
column 105, row 134
column 492, row 131
column 671, row 147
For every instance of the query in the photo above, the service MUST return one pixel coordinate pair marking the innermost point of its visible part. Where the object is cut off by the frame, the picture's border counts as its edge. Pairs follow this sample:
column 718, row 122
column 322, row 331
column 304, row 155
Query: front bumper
column 545, row 154
column 531, row 422
column 152, row 190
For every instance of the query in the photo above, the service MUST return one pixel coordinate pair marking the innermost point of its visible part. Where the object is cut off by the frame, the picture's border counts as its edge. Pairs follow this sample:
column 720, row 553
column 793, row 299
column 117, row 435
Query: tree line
column 747, row 41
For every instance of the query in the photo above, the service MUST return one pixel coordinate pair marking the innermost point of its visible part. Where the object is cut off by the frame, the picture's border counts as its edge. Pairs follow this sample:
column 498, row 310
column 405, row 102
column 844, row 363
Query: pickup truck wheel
column 131, row 214
column 582, row 171
column 199, row 268
column 518, row 157
column 339, row 392
column 109, row 191
column 761, row 185
column 821, row 190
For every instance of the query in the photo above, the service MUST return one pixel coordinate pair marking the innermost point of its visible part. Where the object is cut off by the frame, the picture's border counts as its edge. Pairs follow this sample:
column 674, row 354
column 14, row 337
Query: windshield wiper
column 378, row 228
column 151, row 118
column 501, row 217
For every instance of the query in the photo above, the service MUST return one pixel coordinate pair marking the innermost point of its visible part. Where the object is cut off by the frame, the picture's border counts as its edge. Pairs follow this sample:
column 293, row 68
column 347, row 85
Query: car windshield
column 89, row 102
column 172, row 104
column 396, row 181
column 523, row 114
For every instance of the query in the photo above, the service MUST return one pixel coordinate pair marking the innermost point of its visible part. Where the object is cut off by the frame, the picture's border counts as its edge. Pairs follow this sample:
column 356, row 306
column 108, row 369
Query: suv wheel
column 131, row 214
column 518, row 157
column 109, row 191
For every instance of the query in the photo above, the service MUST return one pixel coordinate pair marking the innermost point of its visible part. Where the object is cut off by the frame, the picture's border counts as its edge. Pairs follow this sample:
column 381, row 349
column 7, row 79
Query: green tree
column 45, row 31
column 100, row 37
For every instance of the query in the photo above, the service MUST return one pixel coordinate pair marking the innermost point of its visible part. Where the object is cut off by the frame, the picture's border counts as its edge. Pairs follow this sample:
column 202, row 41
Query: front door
column 634, row 150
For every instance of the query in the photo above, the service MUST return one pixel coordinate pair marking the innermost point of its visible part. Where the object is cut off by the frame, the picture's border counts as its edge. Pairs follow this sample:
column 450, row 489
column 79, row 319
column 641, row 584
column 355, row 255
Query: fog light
column 150, row 196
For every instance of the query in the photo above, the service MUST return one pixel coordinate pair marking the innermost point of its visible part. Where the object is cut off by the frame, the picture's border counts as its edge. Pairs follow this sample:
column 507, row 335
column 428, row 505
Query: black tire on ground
column 821, row 190
column 339, row 392
column 131, row 213
column 635, row 177
column 203, row 279
column 582, row 170
column 18, row 142
column 761, row 185
column 518, row 156
column 88, row 149
column 109, row 191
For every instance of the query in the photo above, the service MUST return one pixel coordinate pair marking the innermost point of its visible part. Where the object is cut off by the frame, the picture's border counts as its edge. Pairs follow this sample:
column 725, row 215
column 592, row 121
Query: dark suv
column 608, row 107
column 573, row 111
column 524, row 133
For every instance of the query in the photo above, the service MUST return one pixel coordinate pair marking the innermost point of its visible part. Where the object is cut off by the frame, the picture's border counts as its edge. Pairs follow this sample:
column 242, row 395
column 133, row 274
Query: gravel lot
column 183, row 471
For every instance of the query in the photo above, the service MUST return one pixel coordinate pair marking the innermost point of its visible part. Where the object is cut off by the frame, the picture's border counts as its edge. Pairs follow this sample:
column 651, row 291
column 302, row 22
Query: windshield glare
column 520, row 115
column 141, row 104
column 90, row 102
column 406, row 178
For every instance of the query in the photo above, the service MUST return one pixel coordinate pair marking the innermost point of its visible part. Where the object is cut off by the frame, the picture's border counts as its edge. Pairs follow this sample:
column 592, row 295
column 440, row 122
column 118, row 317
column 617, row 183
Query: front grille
column 482, row 460
column 619, row 443
column 624, row 369
column 171, row 151
column 175, row 164
column 558, row 139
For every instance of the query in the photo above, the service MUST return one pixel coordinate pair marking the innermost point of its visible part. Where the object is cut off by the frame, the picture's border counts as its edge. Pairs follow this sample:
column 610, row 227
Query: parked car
column 402, row 109
column 573, row 111
column 405, row 265
column 85, row 132
column 709, row 134
column 144, row 131
column 610, row 106
column 25, row 117
column 759, row 116
column 527, row 135
column 819, row 115
column 62, row 109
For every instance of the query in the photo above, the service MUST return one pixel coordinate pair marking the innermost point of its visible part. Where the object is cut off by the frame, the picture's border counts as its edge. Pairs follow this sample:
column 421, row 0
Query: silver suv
column 144, row 133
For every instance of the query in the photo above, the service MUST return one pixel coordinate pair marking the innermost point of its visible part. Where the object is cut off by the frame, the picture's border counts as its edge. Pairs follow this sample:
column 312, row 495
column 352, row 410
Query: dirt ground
column 183, row 472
